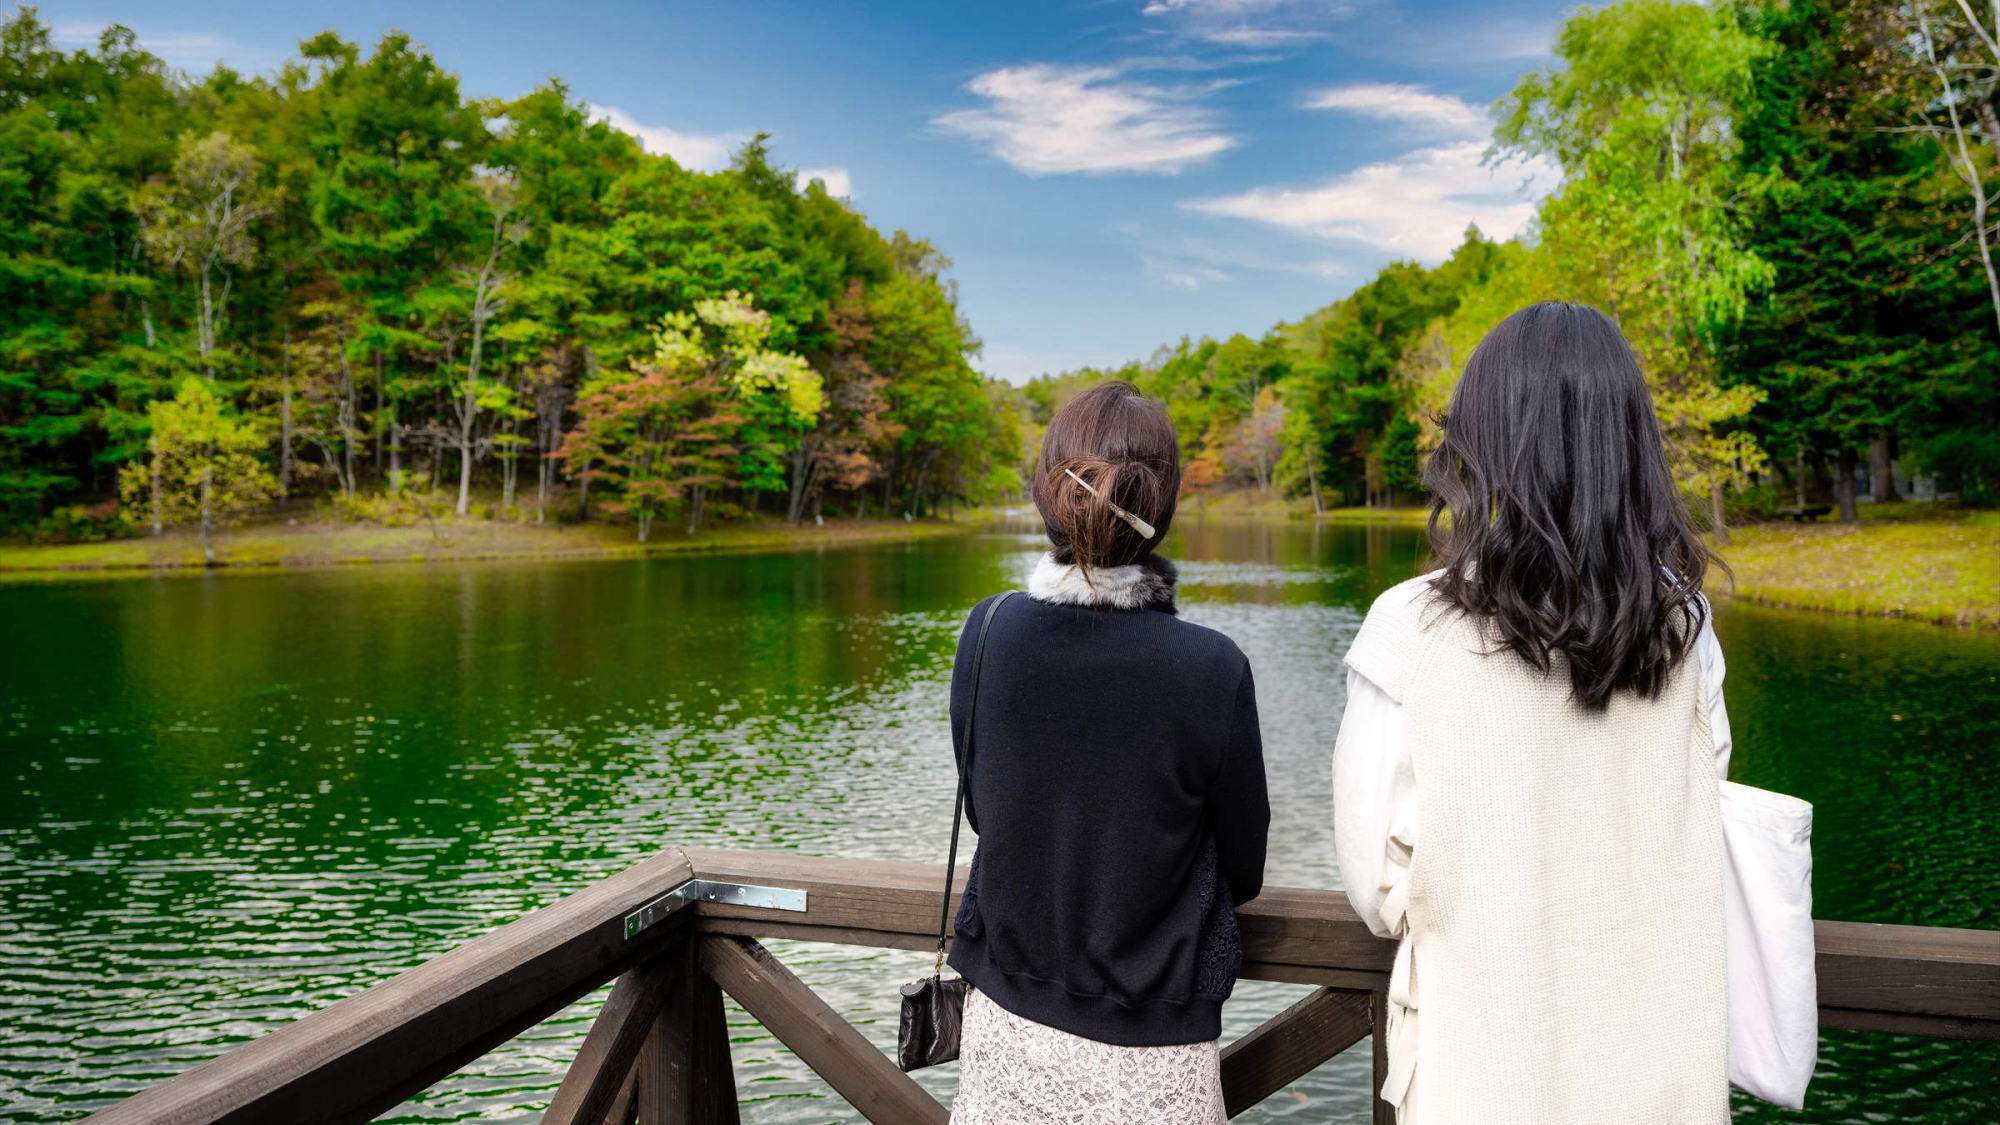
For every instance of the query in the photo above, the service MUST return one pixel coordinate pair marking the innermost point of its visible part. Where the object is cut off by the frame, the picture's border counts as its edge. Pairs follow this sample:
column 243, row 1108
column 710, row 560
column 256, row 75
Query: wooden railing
column 667, row 931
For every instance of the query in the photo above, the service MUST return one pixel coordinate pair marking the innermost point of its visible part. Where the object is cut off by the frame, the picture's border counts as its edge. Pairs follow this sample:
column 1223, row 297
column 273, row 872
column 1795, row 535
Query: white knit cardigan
column 1564, row 953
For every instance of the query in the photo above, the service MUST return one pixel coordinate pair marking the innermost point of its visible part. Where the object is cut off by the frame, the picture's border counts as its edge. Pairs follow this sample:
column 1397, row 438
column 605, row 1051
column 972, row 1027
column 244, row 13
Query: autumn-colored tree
column 841, row 452
column 668, row 431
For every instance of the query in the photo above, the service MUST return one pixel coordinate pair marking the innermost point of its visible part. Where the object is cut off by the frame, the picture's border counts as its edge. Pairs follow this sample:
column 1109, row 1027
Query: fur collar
column 1146, row 584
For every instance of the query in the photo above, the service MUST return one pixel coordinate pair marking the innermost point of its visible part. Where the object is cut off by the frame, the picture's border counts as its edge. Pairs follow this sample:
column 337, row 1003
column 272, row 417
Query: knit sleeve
column 1239, row 805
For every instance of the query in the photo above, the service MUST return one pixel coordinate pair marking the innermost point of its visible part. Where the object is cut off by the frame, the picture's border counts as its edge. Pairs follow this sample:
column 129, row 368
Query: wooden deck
column 658, row 1051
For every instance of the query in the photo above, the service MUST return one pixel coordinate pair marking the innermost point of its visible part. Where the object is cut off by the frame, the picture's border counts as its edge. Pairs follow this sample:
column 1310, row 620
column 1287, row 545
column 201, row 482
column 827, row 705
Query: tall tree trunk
column 159, row 519
column 395, row 439
column 1312, row 478
column 1882, row 468
column 543, row 468
column 381, row 392
column 694, row 508
column 805, row 467
column 464, row 477
column 349, row 422
column 207, row 517
column 1962, row 161
column 1844, row 485
column 204, row 340
column 1715, row 513
column 285, row 425
column 1799, row 475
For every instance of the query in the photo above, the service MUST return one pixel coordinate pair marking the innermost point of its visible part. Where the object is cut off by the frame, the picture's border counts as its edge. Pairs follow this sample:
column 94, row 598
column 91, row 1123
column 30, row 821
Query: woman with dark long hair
column 1116, row 780
column 1527, row 778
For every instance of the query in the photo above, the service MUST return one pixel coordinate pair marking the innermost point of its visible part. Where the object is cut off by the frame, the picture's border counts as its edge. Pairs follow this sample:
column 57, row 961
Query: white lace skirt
column 1014, row 1071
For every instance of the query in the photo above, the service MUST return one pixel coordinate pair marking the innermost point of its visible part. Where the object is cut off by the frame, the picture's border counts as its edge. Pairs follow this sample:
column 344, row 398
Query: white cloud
column 1261, row 36
column 702, row 152
column 1226, row 7
column 1045, row 120
column 1250, row 23
column 838, row 183
column 1409, row 105
column 1418, row 204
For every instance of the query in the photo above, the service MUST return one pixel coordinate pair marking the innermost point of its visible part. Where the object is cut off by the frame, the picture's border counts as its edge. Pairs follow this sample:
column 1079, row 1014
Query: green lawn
column 1918, row 561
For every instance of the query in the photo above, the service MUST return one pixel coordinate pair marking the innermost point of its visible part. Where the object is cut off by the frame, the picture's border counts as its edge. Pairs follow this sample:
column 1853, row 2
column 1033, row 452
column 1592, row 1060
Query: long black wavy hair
column 1566, row 536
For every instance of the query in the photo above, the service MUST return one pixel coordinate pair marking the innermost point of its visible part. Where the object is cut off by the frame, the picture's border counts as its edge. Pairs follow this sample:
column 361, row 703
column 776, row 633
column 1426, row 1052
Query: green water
column 233, row 800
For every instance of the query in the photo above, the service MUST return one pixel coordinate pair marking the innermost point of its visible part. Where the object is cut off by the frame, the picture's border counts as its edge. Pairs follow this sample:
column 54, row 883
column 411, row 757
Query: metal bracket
column 710, row 890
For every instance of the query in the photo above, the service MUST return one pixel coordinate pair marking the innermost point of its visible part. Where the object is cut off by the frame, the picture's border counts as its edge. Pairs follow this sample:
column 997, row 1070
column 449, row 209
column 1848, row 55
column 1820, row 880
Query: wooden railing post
column 683, row 1075
column 1286, row 1047
column 596, row 1088
column 818, row 1035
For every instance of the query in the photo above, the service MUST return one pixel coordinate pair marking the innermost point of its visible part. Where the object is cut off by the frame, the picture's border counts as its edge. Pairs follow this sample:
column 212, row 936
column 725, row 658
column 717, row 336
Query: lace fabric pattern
column 1014, row 1071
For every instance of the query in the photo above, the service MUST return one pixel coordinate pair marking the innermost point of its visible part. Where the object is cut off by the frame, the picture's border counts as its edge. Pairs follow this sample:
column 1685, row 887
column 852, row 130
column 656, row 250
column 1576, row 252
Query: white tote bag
column 1773, row 989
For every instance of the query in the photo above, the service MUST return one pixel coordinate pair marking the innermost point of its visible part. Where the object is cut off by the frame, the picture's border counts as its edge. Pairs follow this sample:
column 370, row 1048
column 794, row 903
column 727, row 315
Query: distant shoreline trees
column 1779, row 201
column 400, row 289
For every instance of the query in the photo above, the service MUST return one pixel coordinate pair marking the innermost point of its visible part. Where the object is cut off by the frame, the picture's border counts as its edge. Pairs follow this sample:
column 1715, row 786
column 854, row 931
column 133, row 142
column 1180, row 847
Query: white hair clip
column 1144, row 529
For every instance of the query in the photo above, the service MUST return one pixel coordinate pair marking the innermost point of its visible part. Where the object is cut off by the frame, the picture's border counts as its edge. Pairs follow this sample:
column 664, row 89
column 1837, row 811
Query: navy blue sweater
column 1117, row 786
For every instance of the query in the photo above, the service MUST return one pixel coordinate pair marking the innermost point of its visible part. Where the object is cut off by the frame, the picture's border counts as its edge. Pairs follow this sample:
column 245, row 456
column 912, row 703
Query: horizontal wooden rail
column 364, row 1055
column 1924, row 980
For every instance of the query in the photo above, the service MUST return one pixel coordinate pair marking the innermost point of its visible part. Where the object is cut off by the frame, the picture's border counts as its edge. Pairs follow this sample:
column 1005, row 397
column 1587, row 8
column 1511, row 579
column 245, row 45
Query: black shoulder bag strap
column 963, row 764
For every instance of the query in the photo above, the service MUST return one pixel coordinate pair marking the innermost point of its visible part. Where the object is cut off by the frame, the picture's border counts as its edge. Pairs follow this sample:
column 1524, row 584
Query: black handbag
column 934, row 1008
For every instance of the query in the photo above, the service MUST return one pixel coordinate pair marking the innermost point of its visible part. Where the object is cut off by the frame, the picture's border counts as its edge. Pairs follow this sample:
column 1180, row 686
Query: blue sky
column 1108, row 175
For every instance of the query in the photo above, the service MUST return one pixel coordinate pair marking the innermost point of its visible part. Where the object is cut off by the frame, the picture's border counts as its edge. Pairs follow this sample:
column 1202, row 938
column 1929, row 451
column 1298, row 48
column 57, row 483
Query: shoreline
column 1939, row 569
column 274, row 547
column 1903, row 561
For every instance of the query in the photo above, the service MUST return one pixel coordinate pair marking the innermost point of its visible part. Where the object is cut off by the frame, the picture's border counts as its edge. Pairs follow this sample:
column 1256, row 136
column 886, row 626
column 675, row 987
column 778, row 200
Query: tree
column 359, row 255
column 1639, row 115
column 1846, row 346
column 664, row 434
column 840, row 453
column 1968, row 80
column 485, row 283
column 199, row 221
column 201, row 465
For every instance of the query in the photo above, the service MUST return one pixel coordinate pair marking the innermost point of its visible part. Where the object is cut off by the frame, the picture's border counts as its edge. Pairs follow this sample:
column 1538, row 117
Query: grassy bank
column 328, row 543
column 1902, row 560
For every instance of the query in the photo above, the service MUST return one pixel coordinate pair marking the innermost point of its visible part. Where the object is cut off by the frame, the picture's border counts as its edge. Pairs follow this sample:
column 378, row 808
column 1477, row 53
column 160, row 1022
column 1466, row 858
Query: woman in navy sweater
column 1117, row 785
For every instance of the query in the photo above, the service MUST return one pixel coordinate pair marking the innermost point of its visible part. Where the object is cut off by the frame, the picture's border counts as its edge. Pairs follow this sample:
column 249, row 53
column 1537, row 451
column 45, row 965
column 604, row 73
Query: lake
column 238, row 798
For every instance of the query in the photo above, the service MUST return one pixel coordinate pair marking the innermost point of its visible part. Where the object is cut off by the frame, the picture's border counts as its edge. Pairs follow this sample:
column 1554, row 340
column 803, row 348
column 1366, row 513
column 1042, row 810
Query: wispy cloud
column 1179, row 259
column 1418, row 204
column 1249, row 23
column 1406, row 105
column 1046, row 119
column 703, row 152
column 196, row 52
column 1476, row 41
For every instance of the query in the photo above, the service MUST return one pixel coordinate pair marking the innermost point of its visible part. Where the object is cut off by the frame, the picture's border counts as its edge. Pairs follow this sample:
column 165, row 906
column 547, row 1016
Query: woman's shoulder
column 1388, row 635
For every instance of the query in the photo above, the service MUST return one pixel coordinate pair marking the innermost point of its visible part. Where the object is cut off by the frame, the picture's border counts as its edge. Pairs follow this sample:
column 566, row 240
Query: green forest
column 348, row 284
column 347, row 280
column 1785, row 204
